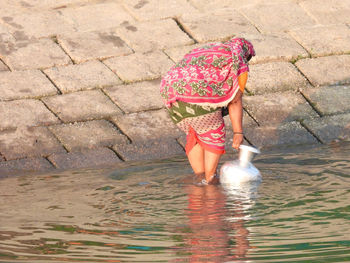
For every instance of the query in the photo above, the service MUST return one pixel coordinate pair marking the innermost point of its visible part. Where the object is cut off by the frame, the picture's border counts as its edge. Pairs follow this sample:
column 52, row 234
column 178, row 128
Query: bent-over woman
column 196, row 90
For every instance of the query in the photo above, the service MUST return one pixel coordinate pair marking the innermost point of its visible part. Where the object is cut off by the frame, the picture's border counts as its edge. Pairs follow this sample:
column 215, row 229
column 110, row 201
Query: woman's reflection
column 213, row 237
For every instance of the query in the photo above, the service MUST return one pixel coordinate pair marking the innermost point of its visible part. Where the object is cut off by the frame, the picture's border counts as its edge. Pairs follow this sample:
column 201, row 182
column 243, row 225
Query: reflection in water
column 217, row 223
column 147, row 212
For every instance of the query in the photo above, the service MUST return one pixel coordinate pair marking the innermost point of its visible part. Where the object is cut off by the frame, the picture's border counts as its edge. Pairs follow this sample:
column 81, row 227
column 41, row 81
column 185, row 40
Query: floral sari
column 197, row 87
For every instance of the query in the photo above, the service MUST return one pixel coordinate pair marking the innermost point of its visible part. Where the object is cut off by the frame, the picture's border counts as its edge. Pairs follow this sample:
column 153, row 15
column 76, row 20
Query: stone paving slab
column 154, row 149
column 280, row 17
column 3, row 67
column 28, row 142
column 147, row 126
column 291, row 133
column 82, row 106
column 204, row 26
column 291, row 106
column 274, row 77
column 177, row 53
column 88, row 135
column 136, row 97
column 275, row 47
column 329, row 100
column 329, row 12
column 333, row 70
column 38, row 24
column 209, row 5
column 148, row 36
column 24, row 165
column 330, row 128
column 158, row 9
column 89, row 75
column 93, row 45
column 335, row 39
column 42, row 53
column 139, row 67
column 20, row 113
column 90, row 158
column 24, row 84
column 35, row 5
column 97, row 16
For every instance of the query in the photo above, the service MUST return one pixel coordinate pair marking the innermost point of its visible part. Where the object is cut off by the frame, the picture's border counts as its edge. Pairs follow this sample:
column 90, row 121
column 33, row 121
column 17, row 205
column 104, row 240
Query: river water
column 150, row 212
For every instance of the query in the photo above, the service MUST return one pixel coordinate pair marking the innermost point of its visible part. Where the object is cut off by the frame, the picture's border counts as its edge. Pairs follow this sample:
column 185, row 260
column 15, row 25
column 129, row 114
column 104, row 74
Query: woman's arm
column 235, row 109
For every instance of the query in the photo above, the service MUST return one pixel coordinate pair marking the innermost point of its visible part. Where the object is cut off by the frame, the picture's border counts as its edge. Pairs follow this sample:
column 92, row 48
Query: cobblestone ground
column 79, row 78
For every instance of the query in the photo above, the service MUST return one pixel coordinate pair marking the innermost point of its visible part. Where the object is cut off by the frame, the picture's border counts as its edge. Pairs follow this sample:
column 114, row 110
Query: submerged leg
column 196, row 159
column 210, row 165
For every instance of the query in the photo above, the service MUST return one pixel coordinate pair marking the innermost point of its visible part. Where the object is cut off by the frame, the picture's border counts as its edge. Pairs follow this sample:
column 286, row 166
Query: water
column 150, row 212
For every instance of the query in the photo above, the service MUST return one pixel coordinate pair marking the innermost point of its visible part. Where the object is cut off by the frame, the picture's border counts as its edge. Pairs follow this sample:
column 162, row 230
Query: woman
column 196, row 90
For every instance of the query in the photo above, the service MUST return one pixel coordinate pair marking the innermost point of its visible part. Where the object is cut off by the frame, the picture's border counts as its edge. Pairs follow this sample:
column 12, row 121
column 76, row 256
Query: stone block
column 291, row 133
column 217, row 25
column 274, row 77
column 136, row 97
column 15, row 167
column 3, row 67
column 278, row 108
column 335, row 39
column 138, row 66
column 90, row 158
column 149, row 36
column 20, row 113
column 89, row 75
column 330, row 128
column 93, row 45
column 326, row 70
column 209, row 5
column 328, row 12
column 42, row 53
column 38, row 24
column 100, row 16
column 177, row 53
column 82, row 105
column 39, row 5
column 158, row 9
column 28, row 142
column 275, row 47
column 155, row 149
column 88, row 135
column 25, row 84
column 277, row 17
column 147, row 126
column 5, row 33
column 329, row 100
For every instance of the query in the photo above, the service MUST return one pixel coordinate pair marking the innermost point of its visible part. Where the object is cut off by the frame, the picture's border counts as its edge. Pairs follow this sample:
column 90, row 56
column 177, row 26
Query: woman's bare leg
column 196, row 159
column 211, row 163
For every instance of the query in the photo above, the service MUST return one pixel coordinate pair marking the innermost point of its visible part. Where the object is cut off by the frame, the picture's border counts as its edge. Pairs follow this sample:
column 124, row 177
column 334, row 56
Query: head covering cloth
column 208, row 76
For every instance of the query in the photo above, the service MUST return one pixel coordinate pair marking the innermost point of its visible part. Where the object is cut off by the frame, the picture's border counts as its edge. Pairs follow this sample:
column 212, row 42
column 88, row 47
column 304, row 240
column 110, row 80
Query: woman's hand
column 237, row 140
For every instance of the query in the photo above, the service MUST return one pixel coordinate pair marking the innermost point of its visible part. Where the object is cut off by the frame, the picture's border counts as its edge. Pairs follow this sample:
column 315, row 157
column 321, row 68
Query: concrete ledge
column 24, row 165
column 153, row 149
column 274, row 77
column 291, row 133
column 333, row 70
column 291, row 107
column 329, row 100
column 87, row 159
column 330, row 128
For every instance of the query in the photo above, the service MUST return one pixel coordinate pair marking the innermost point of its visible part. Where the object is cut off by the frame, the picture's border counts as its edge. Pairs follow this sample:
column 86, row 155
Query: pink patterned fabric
column 208, row 75
column 208, row 130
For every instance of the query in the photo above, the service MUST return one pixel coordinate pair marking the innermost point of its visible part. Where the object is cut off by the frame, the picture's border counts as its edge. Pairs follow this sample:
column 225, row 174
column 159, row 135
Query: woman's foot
column 200, row 180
